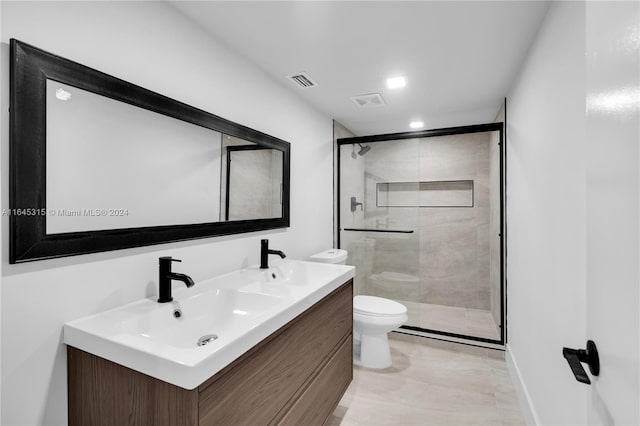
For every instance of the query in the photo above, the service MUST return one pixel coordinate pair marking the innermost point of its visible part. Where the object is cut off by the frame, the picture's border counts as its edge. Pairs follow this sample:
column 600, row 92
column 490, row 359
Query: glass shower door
column 422, row 219
column 379, row 219
column 460, row 235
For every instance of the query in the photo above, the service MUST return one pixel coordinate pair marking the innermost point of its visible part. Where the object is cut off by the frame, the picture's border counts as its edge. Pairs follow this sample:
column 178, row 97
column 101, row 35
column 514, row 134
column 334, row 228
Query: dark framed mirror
column 98, row 164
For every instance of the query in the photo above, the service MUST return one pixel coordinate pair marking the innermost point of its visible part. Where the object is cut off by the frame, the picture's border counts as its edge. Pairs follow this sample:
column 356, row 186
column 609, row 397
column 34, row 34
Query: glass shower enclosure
column 421, row 215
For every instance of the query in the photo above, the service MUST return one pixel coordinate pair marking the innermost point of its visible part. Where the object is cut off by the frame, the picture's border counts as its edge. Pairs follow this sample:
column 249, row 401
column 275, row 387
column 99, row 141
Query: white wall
column 613, row 208
column 3, row 86
column 149, row 44
column 495, row 272
column 546, row 217
column 339, row 132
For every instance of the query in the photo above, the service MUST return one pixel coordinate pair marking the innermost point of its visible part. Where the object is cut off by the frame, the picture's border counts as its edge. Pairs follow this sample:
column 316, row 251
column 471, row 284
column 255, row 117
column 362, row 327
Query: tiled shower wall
column 446, row 260
column 394, row 161
column 352, row 185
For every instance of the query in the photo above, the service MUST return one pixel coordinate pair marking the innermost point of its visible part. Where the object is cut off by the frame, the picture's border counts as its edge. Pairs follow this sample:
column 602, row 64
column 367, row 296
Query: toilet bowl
column 373, row 318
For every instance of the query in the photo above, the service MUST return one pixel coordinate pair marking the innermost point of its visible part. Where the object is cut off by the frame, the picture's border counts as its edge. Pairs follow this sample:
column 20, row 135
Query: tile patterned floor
column 432, row 383
column 470, row 322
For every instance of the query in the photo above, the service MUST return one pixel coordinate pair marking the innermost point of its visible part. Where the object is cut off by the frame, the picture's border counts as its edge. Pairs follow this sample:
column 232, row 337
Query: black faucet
column 265, row 252
column 166, row 276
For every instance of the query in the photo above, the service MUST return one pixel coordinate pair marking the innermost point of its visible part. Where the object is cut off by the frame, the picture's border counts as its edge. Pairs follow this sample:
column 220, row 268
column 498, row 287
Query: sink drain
column 207, row 339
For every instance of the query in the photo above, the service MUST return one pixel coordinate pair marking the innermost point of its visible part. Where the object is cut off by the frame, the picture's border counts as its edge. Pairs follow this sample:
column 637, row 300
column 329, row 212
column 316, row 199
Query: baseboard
column 528, row 410
column 526, row 404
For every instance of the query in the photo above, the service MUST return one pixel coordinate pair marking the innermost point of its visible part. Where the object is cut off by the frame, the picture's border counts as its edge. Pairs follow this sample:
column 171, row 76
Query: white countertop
column 241, row 308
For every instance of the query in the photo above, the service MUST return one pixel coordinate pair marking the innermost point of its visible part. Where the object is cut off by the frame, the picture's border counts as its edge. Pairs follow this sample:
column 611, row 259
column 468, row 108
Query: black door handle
column 589, row 356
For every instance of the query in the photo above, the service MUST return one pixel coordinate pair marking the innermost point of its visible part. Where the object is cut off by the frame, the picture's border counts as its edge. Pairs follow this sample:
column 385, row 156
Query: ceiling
column 459, row 57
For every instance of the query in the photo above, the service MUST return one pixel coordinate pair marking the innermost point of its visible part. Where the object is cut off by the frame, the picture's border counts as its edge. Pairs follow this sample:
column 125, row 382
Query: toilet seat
column 373, row 306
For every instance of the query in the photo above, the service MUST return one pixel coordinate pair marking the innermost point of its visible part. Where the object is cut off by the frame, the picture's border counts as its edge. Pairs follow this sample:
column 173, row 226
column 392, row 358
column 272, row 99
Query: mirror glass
column 252, row 180
column 111, row 165
column 98, row 163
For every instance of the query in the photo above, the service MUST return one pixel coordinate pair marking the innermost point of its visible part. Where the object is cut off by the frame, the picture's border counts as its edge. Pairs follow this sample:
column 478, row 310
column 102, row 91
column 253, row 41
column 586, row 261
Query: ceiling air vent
column 370, row 100
column 303, row 80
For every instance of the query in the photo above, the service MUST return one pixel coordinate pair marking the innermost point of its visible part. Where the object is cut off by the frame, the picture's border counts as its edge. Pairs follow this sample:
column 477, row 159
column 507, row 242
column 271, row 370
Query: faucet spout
column 166, row 276
column 265, row 252
column 186, row 279
column 278, row 253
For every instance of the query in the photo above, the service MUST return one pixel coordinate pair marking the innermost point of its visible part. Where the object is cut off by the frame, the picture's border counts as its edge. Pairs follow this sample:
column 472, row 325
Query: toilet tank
column 337, row 256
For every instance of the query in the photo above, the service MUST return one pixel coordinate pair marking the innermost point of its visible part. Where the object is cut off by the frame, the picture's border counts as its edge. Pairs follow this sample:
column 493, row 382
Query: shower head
column 364, row 149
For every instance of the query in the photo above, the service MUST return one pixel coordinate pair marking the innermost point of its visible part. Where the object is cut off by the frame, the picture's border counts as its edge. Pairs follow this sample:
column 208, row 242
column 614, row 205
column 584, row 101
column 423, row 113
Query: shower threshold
column 452, row 321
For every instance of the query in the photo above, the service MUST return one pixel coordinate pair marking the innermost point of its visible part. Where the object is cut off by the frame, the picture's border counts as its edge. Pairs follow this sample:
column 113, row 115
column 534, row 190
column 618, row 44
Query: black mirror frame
column 28, row 241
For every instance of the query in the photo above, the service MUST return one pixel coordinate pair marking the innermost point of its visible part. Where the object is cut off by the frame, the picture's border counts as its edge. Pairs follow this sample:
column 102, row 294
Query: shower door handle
column 575, row 358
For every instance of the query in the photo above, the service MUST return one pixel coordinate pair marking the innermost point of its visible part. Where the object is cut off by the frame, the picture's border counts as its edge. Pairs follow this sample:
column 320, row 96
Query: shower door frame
column 448, row 131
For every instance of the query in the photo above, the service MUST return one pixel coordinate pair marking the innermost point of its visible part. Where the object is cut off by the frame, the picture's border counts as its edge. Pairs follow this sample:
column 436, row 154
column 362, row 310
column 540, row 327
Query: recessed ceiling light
column 396, row 82
column 416, row 124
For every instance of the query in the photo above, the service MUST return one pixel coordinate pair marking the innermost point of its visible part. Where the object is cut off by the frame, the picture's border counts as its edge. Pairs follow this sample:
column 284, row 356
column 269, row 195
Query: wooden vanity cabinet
column 296, row 376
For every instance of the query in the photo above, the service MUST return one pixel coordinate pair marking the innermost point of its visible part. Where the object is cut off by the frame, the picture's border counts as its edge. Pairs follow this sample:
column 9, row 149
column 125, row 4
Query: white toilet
column 373, row 318
column 337, row 256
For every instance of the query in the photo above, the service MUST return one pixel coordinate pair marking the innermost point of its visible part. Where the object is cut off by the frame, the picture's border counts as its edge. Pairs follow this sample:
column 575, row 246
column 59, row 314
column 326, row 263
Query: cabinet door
column 256, row 387
column 103, row 393
column 324, row 392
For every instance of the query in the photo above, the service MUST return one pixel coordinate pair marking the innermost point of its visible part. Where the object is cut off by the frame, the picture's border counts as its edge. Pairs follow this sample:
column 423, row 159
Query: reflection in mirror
column 252, row 177
column 111, row 165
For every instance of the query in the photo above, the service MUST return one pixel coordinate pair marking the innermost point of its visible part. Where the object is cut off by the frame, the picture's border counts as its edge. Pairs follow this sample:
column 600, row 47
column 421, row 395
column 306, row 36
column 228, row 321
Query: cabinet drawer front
column 103, row 393
column 323, row 394
column 255, row 387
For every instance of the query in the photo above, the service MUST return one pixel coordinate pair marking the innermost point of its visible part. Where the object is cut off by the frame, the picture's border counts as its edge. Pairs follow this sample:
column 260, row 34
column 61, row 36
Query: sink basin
column 221, row 312
column 231, row 313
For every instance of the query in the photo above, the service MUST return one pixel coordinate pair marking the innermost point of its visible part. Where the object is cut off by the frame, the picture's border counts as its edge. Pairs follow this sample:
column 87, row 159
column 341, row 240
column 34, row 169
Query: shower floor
column 452, row 319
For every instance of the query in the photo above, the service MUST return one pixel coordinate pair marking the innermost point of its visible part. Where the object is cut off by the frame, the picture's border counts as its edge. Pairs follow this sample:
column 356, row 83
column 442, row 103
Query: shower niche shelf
column 441, row 193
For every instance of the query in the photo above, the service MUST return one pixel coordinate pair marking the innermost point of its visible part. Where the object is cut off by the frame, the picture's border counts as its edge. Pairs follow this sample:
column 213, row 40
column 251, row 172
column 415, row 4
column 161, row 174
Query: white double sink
column 240, row 308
